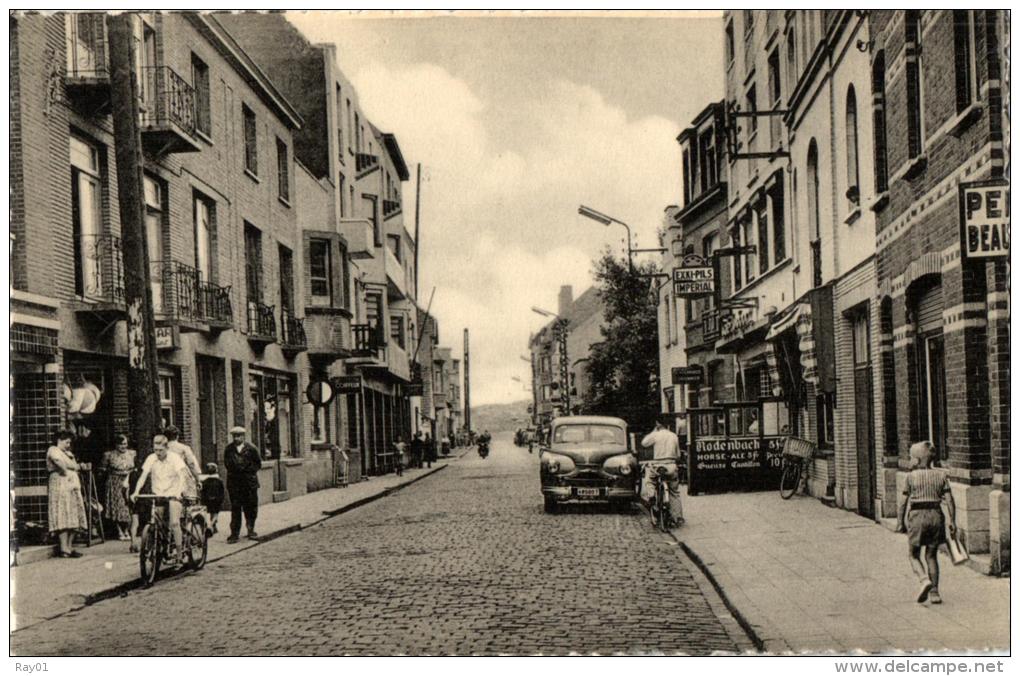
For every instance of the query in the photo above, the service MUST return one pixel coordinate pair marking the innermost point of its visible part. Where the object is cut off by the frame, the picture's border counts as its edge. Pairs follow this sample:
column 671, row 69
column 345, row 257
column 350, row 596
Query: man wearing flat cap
column 243, row 461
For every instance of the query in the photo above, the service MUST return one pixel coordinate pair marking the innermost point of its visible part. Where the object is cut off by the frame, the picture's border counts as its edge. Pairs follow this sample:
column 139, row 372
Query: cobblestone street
column 463, row 562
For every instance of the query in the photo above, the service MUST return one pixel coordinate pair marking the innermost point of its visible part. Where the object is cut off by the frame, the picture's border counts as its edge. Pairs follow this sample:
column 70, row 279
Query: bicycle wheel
column 663, row 508
column 149, row 556
column 790, row 480
column 198, row 548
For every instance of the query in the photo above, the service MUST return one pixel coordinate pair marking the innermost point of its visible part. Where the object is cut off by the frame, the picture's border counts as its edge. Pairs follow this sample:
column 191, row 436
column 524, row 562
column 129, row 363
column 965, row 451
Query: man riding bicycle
column 166, row 470
column 666, row 454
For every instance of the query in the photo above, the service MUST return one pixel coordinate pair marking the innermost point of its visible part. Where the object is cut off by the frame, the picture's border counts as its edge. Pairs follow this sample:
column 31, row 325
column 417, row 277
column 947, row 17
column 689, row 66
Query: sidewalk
column 51, row 587
column 807, row 578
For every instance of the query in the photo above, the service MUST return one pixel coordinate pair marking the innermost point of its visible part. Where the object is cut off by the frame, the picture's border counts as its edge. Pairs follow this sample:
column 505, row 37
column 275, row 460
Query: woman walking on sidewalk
column 66, row 507
column 922, row 520
column 118, row 465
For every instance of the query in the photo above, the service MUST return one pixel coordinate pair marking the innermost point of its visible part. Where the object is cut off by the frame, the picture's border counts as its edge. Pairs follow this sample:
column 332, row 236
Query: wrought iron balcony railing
column 99, row 268
column 390, row 208
column 166, row 98
column 292, row 334
column 85, row 37
column 365, row 161
column 261, row 321
column 184, row 294
column 366, row 338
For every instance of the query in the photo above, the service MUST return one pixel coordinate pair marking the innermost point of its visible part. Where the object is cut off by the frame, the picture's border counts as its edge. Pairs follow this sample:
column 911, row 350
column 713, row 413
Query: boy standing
column 922, row 520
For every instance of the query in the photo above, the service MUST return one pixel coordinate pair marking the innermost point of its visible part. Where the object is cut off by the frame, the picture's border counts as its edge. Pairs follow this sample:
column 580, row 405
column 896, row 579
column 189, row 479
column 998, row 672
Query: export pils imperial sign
column 984, row 219
column 694, row 278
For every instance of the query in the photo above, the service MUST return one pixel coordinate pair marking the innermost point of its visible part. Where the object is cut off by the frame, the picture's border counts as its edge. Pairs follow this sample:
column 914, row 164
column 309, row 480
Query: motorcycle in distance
column 483, row 449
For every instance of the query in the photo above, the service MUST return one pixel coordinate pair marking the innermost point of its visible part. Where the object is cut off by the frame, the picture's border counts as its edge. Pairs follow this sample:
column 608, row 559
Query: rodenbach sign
column 984, row 219
column 694, row 278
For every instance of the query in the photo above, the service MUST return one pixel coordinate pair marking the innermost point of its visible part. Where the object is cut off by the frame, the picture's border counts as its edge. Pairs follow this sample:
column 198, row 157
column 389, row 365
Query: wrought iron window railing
column 261, row 320
column 292, row 330
column 166, row 98
column 99, row 268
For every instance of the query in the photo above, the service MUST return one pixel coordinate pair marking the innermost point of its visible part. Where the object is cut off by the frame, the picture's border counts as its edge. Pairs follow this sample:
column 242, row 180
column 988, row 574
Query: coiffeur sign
column 984, row 219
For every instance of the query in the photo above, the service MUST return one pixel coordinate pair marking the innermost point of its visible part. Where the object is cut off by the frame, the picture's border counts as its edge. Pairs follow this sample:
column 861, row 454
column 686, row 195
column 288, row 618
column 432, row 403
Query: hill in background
column 500, row 417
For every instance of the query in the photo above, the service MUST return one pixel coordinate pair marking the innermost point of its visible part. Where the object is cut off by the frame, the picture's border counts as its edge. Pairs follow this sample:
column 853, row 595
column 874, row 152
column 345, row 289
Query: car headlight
column 557, row 464
column 620, row 464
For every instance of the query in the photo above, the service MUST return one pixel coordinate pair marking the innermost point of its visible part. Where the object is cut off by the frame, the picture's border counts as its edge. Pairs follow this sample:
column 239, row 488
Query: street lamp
column 607, row 220
column 544, row 313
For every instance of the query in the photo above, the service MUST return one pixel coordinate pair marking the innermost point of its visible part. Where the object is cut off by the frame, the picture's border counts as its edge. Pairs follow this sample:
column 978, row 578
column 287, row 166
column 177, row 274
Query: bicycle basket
column 798, row 448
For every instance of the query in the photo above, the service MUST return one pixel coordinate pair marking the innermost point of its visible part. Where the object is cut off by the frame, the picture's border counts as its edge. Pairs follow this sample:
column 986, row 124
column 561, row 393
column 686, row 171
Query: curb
column 123, row 588
column 748, row 628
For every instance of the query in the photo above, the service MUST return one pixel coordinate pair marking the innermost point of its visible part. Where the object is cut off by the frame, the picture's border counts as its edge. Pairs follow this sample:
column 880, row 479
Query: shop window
column 271, row 423
column 826, row 404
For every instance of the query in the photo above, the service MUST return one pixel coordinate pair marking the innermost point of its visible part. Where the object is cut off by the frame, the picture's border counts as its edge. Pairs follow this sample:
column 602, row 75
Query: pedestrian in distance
column 446, row 444
column 430, row 450
column 212, row 494
column 66, row 506
column 118, row 465
column 243, row 462
column 417, row 448
column 399, row 448
column 921, row 518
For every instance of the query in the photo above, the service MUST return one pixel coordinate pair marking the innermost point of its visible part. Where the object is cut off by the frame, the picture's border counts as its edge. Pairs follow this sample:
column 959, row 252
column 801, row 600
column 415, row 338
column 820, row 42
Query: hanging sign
column 694, row 278
column 984, row 219
column 167, row 338
column 320, row 392
column 346, row 384
column 687, row 375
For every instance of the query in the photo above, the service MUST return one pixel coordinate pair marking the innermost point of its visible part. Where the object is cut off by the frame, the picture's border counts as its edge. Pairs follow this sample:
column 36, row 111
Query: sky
column 517, row 120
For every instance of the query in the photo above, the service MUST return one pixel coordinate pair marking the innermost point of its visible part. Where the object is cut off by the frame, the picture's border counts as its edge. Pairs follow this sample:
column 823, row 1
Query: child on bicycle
column 212, row 493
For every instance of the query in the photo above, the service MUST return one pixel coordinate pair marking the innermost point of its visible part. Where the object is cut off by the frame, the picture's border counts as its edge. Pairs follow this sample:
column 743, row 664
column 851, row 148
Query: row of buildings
column 283, row 273
column 828, row 200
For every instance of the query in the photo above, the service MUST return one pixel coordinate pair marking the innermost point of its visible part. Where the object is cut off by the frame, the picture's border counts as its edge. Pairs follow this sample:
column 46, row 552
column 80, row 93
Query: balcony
column 390, row 208
column 292, row 333
column 360, row 236
column 99, row 276
column 328, row 333
column 181, row 296
column 167, row 112
column 87, row 74
column 368, row 343
column 396, row 276
column 261, row 323
column 365, row 164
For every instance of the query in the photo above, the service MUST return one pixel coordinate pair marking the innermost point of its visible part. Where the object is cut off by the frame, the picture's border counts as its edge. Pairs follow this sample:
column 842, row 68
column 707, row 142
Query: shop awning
column 786, row 320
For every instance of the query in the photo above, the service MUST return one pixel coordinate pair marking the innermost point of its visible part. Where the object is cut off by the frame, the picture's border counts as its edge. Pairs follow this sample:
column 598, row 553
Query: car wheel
column 551, row 506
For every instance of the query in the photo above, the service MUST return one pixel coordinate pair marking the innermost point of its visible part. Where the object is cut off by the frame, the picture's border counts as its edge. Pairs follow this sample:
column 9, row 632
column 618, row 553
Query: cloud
column 500, row 231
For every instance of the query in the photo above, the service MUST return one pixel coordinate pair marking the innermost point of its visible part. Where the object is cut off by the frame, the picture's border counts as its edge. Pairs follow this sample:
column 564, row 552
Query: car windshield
column 599, row 434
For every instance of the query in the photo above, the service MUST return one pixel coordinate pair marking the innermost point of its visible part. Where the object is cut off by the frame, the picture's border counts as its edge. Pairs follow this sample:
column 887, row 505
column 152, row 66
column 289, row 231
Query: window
column 750, row 259
column 667, row 325
column 397, row 330
column 735, row 242
column 320, row 271
column 203, row 215
column 762, row 214
column 321, row 424
column 251, row 156
column 370, row 204
column 286, row 279
column 153, row 193
column 393, row 241
column 340, row 123
column 87, row 218
column 203, row 99
column 730, row 51
column 707, row 160
column 778, row 222
column 341, row 182
column 752, row 107
column 853, row 191
column 791, row 63
column 708, row 247
column 826, row 404
column 349, row 125
column 878, row 117
column 358, row 133
column 373, row 308
column 345, row 275
column 147, row 68
column 688, row 192
column 775, row 83
column 915, row 91
column 282, row 171
column 748, row 22
column 167, row 409
column 253, row 262
column 963, row 50
column 814, row 222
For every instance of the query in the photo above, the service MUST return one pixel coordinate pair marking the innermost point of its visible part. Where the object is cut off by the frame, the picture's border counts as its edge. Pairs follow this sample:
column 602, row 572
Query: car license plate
column 587, row 492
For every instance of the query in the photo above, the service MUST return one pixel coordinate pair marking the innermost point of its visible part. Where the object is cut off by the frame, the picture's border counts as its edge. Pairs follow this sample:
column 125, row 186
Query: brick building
column 943, row 318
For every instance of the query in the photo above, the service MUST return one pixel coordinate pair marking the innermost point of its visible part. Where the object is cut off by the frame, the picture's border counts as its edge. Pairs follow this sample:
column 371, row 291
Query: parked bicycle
column 157, row 548
column 797, row 455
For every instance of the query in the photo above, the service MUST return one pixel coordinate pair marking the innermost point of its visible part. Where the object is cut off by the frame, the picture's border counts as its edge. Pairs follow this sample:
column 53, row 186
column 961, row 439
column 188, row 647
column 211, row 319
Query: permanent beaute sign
column 694, row 278
column 984, row 219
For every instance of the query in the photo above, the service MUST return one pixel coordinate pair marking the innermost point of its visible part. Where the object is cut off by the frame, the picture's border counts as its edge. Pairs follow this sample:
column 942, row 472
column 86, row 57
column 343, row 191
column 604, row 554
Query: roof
column 390, row 141
column 584, row 307
column 589, row 420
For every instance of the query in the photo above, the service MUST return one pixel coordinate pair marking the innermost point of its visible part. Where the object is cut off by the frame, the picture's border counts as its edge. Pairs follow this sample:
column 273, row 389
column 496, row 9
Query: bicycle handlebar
column 156, row 498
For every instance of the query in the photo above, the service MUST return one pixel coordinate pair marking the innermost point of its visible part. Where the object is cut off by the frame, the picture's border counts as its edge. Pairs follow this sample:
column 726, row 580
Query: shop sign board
column 346, row 384
column 414, row 390
column 687, row 375
column 726, row 463
column 694, row 278
column 984, row 220
column 167, row 338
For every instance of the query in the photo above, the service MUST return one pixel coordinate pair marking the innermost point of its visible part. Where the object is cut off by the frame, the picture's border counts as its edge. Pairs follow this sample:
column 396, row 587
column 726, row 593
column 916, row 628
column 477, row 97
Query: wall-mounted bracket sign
column 695, row 277
column 984, row 219
column 346, row 384
column 687, row 375
column 320, row 392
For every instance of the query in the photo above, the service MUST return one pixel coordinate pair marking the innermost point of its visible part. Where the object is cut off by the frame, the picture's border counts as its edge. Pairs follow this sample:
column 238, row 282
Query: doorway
column 864, row 416
column 212, row 406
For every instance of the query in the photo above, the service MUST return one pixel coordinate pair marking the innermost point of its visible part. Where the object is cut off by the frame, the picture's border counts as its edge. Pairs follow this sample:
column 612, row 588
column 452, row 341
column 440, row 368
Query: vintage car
column 587, row 459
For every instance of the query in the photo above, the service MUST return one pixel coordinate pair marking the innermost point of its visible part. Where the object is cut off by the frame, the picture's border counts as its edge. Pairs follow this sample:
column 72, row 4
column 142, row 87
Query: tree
column 624, row 367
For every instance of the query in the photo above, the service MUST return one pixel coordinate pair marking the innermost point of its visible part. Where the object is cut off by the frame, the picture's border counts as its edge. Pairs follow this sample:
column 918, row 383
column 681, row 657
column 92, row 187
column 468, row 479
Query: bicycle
column 156, row 543
column 659, row 510
column 797, row 454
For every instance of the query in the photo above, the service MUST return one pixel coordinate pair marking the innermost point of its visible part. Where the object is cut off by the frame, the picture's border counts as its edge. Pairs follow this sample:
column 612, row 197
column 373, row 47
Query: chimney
column 566, row 300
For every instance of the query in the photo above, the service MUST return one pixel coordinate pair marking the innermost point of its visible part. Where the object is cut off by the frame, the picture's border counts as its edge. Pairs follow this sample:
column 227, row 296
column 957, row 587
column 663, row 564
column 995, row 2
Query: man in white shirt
column 167, row 473
column 665, row 453
column 191, row 480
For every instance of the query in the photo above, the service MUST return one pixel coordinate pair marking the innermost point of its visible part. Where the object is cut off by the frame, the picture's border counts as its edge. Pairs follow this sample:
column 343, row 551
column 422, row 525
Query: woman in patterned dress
column 66, row 507
column 118, row 464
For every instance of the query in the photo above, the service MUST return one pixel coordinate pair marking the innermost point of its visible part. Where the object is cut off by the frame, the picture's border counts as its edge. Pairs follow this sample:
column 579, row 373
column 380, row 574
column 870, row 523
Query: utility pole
column 142, row 373
column 417, row 216
column 467, row 384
